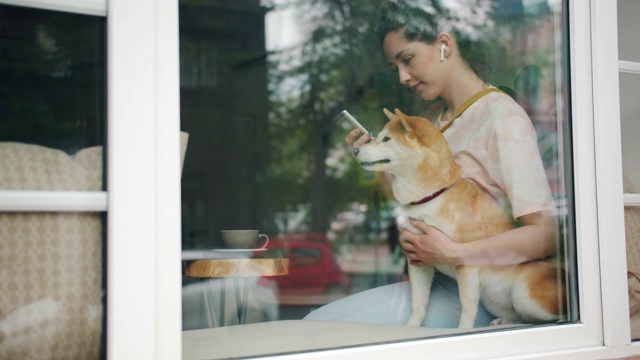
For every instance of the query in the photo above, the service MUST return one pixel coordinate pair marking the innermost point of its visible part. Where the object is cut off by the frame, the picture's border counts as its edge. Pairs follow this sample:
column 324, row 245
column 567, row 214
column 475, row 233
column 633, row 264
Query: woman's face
column 418, row 64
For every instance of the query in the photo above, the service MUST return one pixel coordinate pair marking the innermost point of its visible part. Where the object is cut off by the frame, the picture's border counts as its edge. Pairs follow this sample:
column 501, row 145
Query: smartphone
column 345, row 115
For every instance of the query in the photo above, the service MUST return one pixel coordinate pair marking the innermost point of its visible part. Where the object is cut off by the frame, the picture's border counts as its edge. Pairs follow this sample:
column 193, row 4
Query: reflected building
column 224, row 106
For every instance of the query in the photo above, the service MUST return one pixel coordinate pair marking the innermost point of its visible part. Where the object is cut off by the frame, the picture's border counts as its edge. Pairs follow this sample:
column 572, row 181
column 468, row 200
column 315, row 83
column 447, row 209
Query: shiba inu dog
column 428, row 184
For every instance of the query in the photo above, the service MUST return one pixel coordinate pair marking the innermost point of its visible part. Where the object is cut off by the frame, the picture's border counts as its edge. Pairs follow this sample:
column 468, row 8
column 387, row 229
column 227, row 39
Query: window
column 629, row 80
column 53, row 71
column 265, row 155
column 599, row 333
column 144, row 272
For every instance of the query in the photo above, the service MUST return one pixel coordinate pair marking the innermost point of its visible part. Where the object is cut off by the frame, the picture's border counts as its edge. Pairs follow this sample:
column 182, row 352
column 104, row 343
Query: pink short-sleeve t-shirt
column 496, row 144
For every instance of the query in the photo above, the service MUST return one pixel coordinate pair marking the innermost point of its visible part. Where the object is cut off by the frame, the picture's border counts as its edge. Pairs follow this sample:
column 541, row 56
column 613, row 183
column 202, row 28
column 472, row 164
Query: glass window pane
column 628, row 27
column 53, row 78
column 261, row 82
column 628, row 13
column 630, row 117
column 52, row 119
column 51, row 290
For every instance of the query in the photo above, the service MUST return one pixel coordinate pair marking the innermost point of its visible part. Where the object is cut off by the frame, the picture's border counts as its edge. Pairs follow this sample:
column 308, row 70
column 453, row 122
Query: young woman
column 494, row 142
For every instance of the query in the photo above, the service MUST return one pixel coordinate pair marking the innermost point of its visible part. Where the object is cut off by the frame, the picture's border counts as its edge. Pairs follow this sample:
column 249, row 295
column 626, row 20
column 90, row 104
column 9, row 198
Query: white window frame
column 143, row 186
column 143, row 233
column 86, row 7
column 143, row 198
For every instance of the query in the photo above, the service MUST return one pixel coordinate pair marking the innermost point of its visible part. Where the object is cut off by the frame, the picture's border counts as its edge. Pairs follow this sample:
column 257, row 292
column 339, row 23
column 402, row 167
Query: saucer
column 212, row 254
column 236, row 253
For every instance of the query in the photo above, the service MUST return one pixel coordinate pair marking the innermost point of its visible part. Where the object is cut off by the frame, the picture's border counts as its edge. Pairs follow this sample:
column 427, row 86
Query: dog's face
column 407, row 146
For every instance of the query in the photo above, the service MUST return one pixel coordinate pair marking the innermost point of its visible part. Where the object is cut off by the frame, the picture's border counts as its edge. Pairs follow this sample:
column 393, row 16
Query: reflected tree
column 339, row 66
column 53, row 78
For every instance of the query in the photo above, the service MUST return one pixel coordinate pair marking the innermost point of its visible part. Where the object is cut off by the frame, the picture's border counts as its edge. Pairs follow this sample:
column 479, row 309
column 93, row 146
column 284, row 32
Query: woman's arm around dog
column 535, row 239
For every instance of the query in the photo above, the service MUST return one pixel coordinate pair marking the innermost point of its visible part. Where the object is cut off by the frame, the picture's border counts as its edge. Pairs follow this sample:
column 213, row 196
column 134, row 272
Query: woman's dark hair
column 420, row 23
column 417, row 23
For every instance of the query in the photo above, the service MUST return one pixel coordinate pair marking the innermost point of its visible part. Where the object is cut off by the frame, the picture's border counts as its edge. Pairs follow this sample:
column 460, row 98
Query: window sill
column 300, row 335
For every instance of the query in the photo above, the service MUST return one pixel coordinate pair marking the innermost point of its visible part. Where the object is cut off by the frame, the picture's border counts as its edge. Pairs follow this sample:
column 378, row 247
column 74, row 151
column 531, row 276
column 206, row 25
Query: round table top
column 236, row 267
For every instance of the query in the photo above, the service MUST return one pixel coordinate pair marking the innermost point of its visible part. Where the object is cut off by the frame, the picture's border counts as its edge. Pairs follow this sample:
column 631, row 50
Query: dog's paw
column 503, row 321
column 415, row 320
column 465, row 325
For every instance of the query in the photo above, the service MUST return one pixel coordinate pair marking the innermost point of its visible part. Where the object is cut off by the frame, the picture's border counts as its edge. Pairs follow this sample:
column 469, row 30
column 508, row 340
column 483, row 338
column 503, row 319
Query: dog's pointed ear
column 403, row 121
column 389, row 114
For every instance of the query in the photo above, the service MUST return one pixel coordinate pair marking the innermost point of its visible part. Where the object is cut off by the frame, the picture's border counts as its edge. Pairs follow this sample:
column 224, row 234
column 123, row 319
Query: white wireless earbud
column 442, row 47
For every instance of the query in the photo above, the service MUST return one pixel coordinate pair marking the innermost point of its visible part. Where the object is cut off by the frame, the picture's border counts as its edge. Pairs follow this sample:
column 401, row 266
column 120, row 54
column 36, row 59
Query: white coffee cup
column 242, row 239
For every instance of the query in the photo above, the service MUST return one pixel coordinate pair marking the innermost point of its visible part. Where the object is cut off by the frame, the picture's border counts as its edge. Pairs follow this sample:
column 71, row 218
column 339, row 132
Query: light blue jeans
column 391, row 304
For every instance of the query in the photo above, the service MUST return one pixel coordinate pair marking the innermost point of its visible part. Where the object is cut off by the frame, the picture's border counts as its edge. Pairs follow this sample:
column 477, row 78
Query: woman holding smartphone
column 493, row 140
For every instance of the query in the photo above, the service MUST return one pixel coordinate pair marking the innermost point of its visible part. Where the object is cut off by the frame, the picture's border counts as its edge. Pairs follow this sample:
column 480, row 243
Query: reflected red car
column 308, row 236
column 315, row 277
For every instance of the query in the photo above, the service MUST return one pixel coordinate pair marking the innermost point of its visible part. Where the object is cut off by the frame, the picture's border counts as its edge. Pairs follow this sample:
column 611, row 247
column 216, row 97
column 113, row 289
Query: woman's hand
column 351, row 138
column 535, row 239
column 430, row 248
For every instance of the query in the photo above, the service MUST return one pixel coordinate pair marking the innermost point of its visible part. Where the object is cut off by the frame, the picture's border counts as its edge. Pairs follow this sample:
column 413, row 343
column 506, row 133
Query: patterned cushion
column 50, row 264
column 34, row 167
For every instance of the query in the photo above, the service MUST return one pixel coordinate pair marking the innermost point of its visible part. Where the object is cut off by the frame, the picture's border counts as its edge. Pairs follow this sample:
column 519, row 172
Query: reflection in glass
column 628, row 13
column 629, row 117
column 51, row 288
column 52, row 118
column 630, row 123
column 52, row 70
column 260, row 84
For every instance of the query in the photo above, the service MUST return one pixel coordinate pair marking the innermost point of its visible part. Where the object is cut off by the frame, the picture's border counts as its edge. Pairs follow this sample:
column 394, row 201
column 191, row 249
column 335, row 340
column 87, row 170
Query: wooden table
column 221, row 268
column 206, row 269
